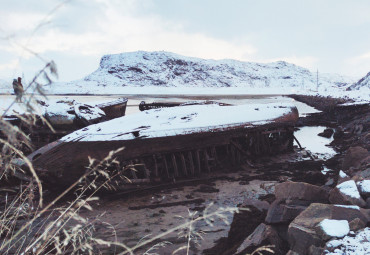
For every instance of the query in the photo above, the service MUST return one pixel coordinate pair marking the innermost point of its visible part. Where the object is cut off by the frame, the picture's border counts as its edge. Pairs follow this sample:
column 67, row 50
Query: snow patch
column 179, row 121
column 334, row 228
column 364, row 186
column 342, row 174
column 356, row 245
column 349, row 188
column 349, row 206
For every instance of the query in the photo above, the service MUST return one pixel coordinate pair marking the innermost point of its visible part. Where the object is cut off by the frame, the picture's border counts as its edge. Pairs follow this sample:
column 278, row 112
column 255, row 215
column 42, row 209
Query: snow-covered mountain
column 169, row 70
column 363, row 83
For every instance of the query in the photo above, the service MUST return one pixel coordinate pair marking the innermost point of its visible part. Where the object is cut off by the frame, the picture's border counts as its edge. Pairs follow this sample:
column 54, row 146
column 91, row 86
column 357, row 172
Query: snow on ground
column 351, row 245
column 362, row 83
column 349, row 188
column 342, row 174
column 364, row 186
column 356, row 207
column 180, row 120
column 334, row 228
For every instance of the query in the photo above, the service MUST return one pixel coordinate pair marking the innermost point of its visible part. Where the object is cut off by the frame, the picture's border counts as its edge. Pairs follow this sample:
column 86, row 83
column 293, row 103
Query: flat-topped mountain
column 172, row 70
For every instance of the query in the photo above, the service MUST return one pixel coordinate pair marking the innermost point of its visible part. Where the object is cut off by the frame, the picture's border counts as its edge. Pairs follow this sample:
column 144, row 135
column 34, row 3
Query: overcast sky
column 329, row 35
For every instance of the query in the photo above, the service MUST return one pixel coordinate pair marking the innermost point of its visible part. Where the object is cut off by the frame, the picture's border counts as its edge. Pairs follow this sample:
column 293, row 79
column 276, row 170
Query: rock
column 328, row 228
column 262, row 235
column 354, row 156
column 364, row 174
column 343, row 177
column 356, row 224
column 364, row 188
column 314, row 250
column 279, row 212
column 367, row 203
column 301, row 191
column 346, row 193
column 259, row 205
column 330, row 182
column 302, row 233
column 243, row 224
column 328, row 132
column 332, row 245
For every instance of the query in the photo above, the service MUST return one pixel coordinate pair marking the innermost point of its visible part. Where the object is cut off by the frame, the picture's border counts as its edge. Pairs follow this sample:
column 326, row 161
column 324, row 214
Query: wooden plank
column 206, row 160
column 183, row 164
column 191, row 161
column 155, row 166
column 197, row 160
column 165, row 165
column 174, row 163
column 232, row 155
column 133, row 170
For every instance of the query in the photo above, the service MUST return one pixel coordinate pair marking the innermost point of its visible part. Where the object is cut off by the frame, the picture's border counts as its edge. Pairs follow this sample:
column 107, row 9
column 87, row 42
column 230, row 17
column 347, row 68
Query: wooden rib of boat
column 172, row 143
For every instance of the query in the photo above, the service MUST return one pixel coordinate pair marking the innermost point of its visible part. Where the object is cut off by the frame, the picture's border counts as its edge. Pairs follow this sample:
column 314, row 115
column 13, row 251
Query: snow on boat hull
column 172, row 142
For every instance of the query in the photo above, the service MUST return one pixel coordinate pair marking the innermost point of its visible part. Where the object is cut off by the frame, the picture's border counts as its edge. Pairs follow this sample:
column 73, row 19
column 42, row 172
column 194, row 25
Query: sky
column 332, row 36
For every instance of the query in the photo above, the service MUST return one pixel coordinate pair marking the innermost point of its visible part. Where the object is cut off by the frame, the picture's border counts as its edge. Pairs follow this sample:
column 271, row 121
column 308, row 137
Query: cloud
column 118, row 27
column 10, row 65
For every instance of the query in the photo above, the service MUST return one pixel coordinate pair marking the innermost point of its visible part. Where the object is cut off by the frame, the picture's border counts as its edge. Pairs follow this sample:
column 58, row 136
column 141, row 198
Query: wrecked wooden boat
column 66, row 116
column 143, row 106
column 172, row 143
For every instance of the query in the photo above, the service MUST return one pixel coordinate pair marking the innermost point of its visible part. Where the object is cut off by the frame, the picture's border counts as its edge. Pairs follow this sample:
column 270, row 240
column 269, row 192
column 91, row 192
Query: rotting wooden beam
column 174, row 163
column 191, row 161
column 165, row 165
column 155, row 165
column 205, row 156
column 183, row 163
column 232, row 155
column 133, row 170
column 197, row 159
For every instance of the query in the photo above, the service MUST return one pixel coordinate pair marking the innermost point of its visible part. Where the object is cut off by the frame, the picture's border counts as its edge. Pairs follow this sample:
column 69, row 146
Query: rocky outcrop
column 280, row 212
column 354, row 157
column 262, row 235
column 346, row 193
column 302, row 231
column 301, row 192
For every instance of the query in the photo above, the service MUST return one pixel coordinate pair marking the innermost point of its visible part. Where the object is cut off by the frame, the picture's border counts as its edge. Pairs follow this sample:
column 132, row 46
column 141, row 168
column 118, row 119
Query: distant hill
column 165, row 69
column 363, row 83
column 148, row 72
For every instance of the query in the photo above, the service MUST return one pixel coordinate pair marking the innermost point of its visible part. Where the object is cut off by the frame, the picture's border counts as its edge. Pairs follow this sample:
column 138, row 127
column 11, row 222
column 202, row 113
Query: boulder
column 262, row 206
column 364, row 174
column 314, row 250
column 346, row 193
column 356, row 224
column 262, row 235
column 279, row 212
column 364, row 188
column 301, row 191
column 354, row 157
column 328, row 229
column 243, row 224
column 367, row 203
column 327, row 133
column 302, row 230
